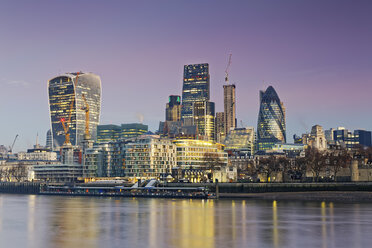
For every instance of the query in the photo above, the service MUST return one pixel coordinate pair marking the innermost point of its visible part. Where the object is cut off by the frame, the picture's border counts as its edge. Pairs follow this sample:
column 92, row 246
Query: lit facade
column 149, row 157
column 316, row 139
column 197, row 154
column 65, row 96
column 241, row 140
column 195, row 89
column 203, row 113
column 133, row 130
column 271, row 127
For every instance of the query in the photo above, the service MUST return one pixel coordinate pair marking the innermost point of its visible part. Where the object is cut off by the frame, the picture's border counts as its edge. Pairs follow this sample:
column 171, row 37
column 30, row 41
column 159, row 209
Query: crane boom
column 227, row 69
column 15, row 139
column 66, row 125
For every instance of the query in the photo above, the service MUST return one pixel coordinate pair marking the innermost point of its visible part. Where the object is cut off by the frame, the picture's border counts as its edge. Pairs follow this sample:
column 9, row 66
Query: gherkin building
column 271, row 120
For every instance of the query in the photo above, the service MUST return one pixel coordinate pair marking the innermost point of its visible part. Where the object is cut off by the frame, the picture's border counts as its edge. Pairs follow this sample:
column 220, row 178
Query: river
column 58, row 221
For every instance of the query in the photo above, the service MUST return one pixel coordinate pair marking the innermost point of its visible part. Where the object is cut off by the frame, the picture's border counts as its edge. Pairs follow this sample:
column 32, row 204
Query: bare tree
column 338, row 160
column 19, row 172
column 268, row 166
column 316, row 161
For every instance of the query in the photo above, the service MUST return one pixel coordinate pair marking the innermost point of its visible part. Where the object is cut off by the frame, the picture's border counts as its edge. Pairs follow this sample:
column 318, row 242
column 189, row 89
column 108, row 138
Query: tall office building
column 195, row 89
column 65, row 100
column 109, row 133
column 204, row 119
column 49, row 140
column 173, row 109
column 271, row 120
column 220, row 127
column 229, row 107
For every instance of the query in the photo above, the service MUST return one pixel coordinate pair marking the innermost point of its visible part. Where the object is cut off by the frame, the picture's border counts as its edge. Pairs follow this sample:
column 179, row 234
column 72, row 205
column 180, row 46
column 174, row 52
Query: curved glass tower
column 65, row 96
column 271, row 120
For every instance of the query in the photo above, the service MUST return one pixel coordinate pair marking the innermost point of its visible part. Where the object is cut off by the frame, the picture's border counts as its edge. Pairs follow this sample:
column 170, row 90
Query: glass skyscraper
column 271, row 120
column 204, row 113
column 65, row 96
column 195, row 89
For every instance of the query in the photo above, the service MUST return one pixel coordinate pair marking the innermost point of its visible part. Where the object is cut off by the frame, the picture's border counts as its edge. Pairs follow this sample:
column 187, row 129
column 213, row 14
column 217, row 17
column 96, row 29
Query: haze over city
column 316, row 54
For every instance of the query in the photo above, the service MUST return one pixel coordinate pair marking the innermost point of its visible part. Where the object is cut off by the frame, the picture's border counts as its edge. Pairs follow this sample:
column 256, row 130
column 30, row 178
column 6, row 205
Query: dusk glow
column 316, row 54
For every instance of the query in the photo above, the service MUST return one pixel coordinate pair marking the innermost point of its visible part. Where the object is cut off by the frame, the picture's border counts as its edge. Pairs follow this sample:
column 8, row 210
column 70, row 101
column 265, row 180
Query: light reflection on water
column 52, row 221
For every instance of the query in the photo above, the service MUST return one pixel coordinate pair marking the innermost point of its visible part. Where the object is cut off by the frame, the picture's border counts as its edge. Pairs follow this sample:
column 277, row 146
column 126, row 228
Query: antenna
column 227, row 69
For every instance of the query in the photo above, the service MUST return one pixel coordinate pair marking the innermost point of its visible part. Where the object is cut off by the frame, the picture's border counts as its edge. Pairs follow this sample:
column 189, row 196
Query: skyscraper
column 220, row 127
column 49, row 140
column 66, row 105
column 173, row 109
column 271, row 120
column 204, row 119
column 229, row 107
column 195, row 89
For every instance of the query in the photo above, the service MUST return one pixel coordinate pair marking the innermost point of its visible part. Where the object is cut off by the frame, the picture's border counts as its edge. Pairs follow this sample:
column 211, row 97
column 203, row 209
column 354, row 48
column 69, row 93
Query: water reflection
column 37, row 221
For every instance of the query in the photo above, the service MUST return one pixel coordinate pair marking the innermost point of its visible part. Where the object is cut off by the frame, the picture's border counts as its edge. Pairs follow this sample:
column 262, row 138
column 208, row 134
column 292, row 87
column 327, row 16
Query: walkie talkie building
column 271, row 120
column 65, row 97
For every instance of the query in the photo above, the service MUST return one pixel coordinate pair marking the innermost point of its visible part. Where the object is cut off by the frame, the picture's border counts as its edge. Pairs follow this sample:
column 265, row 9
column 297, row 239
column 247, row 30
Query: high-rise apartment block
column 173, row 109
column 66, row 105
column 229, row 107
column 195, row 89
column 271, row 128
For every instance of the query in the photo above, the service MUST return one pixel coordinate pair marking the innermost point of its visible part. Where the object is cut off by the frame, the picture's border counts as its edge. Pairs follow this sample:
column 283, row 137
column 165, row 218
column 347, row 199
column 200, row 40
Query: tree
column 212, row 162
column 268, row 165
column 19, row 172
column 338, row 160
column 316, row 161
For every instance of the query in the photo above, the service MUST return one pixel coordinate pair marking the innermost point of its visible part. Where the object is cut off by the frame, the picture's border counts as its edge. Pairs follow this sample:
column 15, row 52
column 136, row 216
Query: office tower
column 66, row 105
column 133, row 130
column 271, row 120
column 49, row 139
column 229, row 107
column 195, row 89
column 329, row 134
column 220, row 127
column 363, row 137
column 108, row 133
column 350, row 139
column 173, row 109
column 203, row 113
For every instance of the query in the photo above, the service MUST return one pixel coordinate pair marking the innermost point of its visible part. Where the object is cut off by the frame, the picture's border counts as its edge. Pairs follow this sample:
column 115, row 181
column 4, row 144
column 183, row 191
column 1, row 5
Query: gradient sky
column 317, row 55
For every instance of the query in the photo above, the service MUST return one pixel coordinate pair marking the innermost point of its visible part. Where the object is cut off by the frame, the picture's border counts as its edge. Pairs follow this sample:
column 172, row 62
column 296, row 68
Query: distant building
column 203, row 113
column 220, row 127
column 271, row 127
column 66, row 101
column 38, row 154
column 240, row 141
column 173, row 109
column 49, row 139
column 229, row 107
column 107, row 133
column 195, row 89
column 350, row 139
column 315, row 139
column 329, row 134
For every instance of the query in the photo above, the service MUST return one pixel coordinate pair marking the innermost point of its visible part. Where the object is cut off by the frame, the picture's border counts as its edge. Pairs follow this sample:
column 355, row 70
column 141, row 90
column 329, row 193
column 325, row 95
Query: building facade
column 316, row 139
column 203, row 113
column 271, row 127
column 229, row 107
column 107, row 133
column 66, row 103
column 195, row 89
column 240, row 141
column 173, row 109
column 220, row 127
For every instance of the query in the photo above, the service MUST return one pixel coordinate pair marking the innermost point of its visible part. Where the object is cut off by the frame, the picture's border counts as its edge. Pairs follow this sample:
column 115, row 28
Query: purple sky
column 316, row 54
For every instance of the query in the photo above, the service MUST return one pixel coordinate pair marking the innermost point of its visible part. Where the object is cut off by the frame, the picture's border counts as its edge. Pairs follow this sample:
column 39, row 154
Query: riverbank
column 331, row 196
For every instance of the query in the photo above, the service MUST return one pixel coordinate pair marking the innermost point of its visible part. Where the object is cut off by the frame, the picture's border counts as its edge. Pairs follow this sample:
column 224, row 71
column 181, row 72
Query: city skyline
column 317, row 60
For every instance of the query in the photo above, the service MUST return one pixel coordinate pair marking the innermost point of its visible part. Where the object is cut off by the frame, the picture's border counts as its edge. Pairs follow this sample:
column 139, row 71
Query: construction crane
column 66, row 125
column 11, row 147
column 227, row 70
column 85, row 108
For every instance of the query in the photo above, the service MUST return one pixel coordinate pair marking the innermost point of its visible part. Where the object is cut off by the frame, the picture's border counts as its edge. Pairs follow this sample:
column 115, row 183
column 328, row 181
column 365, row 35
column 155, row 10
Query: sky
column 316, row 54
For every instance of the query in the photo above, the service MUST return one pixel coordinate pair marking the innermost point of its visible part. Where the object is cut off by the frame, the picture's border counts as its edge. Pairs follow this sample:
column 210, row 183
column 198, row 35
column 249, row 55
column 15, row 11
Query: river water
column 58, row 221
